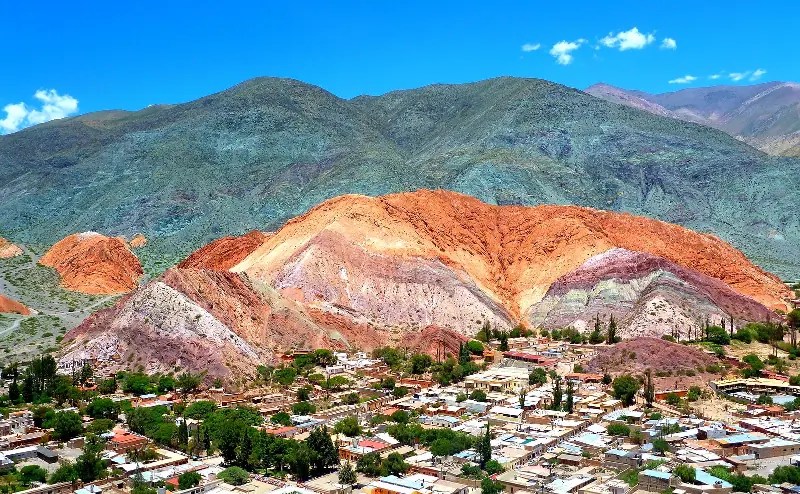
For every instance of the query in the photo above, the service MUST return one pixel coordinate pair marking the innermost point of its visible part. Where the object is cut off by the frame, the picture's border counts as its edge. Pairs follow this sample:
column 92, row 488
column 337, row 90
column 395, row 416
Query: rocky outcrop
column 512, row 253
column 224, row 253
column 435, row 341
column 10, row 306
column 424, row 270
column 93, row 263
column 138, row 241
column 673, row 365
column 648, row 295
column 8, row 250
column 207, row 320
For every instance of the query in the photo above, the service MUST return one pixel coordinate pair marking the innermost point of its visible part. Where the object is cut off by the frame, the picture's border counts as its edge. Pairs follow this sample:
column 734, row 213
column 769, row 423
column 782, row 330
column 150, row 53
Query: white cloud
column 53, row 106
column 562, row 51
column 756, row 75
column 632, row 39
column 528, row 47
column 714, row 77
column 669, row 44
column 750, row 75
column 683, row 80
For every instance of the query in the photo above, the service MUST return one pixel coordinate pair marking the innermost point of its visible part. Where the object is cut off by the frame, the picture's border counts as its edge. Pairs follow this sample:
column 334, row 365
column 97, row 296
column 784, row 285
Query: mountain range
column 255, row 155
column 766, row 116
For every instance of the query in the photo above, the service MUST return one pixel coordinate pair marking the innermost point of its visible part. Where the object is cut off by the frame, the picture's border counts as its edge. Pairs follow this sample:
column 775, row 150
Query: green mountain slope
column 268, row 149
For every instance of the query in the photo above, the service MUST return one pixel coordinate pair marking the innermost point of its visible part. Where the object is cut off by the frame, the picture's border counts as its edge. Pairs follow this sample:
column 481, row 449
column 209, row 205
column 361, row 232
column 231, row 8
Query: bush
column 188, row 480
column 686, row 473
column 399, row 391
column 617, row 429
column 718, row 335
column 478, row 395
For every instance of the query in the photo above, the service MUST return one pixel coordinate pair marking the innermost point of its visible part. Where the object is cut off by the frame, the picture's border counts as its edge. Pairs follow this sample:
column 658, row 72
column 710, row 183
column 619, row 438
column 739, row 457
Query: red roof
column 370, row 443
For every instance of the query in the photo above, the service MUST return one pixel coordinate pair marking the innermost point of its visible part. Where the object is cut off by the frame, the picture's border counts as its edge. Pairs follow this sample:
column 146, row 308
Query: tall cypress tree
column 557, row 393
column 570, row 402
column 612, row 331
column 485, row 447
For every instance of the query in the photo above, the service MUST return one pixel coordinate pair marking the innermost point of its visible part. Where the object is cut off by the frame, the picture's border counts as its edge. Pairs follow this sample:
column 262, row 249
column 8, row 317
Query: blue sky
column 108, row 55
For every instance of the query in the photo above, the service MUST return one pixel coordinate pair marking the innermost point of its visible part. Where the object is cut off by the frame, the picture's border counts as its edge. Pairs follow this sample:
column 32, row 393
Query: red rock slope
column 93, row 263
column 10, row 306
column 512, row 253
column 361, row 272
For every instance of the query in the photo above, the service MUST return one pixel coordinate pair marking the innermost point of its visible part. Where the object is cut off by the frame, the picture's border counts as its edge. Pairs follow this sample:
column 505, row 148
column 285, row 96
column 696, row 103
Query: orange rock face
column 420, row 270
column 224, row 253
column 93, row 263
column 8, row 250
column 138, row 241
column 513, row 253
column 12, row 306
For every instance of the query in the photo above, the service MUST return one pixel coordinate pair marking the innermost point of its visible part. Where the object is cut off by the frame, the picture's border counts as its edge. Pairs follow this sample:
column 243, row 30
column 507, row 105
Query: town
column 524, row 411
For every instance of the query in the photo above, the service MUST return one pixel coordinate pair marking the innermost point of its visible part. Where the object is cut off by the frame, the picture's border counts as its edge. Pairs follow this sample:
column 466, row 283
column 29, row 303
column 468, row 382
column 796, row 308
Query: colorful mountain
column 361, row 272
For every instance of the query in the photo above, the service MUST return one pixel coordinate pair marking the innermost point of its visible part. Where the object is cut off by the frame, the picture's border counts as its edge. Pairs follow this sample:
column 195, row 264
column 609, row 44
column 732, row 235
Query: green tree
column 90, row 465
column 611, row 334
column 718, row 335
column 32, row 473
column 399, row 391
column 281, row 418
column 484, row 447
column 66, row 425
column 14, row 393
column 348, row 426
column 618, row 429
column 107, row 386
column 303, row 408
column 660, row 445
column 347, row 476
column 188, row 382
column 625, row 388
column 420, row 363
column 369, row 464
column 503, row 342
column 478, row 395
column 475, row 347
column 493, row 467
column 764, row 400
column 649, row 388
column 199, row 410
column 188, row 480
column 489, row 486
column 570, row 401
column 755, row 366
column 394, row 465
column 103, row 408
column 234, row 476
column 304, row 393
column 99, row 426
column 66, row 472
column 326, row 456
column 136, row 383
column 537, row 376
column 557, row 393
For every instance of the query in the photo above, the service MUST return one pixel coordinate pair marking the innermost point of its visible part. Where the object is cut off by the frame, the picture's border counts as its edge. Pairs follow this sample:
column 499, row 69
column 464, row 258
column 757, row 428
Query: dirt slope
column 93, row 263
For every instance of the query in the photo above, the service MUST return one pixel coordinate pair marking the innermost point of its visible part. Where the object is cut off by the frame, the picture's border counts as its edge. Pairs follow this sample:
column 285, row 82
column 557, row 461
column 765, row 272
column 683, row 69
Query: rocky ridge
column 92, row 263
